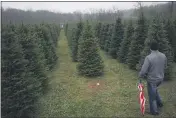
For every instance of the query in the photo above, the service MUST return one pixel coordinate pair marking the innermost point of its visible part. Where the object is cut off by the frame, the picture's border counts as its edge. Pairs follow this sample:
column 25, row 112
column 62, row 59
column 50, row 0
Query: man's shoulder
column 148, row 56
column 162, row 54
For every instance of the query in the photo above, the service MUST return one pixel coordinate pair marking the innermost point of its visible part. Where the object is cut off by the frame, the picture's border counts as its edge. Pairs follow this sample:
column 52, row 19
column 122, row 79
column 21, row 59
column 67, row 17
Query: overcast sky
column 72, row 6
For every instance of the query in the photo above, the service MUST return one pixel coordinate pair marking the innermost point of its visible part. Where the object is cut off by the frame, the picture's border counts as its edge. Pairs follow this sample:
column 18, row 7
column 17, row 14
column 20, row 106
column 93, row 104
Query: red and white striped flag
column 141, row 97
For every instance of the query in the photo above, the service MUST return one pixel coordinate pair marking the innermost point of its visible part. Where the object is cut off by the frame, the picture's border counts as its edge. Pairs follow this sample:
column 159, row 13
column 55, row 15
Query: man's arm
column 144, row 68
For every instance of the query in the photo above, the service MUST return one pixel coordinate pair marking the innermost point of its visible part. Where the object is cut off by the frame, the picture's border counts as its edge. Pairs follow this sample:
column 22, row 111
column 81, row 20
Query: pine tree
column 53, row 34
column 15, row 77
column 75, row 41
column 87, row 32
column 56, row 29
column 48, row 47
column 117, row 37
column 103, row 37
column 137, row 43
column 69, row 33
column 98, row 31
column 90, row 62
column 102, row 34
column 170, row 31
column 30, row 44
column 108, row 38
column 71, row 37
column 158, row 33
column 174, row 48
column 124, row 48
column 66, row 29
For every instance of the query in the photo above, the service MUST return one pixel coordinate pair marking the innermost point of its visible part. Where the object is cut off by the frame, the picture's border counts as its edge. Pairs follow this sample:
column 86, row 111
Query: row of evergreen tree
column 28, row 52
column 128, row 43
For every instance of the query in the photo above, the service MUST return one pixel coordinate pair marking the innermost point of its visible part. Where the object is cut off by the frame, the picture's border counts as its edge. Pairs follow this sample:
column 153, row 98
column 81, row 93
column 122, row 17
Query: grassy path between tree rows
column 117, row 95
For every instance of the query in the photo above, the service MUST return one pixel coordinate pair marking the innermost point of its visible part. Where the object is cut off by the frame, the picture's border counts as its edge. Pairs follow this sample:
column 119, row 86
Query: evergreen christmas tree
column 137, row 43
column 69, row 35
column 48, row 47
column 104, row 35
column 15, row 77
column 98, row 31
column 29, row 41
column 174, row 48
column 87, row 32
column 108, row 38
column 66, row 29
column 101, row 39
column 117, row 37
column 125, row 44
column 170, row 31
column 90, row 62
column 53, row 34
column 72, row 38
column 75, row 40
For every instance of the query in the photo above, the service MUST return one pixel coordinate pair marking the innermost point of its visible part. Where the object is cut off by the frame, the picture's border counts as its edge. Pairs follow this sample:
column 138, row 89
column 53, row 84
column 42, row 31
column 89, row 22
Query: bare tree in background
column 115, row 11
column 92, row 14
column 78, row 15
column 140, row 7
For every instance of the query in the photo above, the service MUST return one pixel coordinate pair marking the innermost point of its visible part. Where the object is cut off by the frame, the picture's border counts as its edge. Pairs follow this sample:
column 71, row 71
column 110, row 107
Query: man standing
column 153, row 68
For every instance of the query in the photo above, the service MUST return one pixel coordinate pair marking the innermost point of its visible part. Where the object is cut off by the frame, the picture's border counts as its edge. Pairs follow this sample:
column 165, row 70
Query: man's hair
column 154, row 45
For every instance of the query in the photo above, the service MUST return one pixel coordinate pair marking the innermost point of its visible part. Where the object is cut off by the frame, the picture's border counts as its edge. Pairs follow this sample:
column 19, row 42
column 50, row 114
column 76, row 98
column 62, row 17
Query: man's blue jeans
column 154, row 98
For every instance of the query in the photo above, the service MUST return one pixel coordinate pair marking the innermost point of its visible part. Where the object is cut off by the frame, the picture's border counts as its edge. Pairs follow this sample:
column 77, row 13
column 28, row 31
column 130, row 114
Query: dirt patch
column 95, row 86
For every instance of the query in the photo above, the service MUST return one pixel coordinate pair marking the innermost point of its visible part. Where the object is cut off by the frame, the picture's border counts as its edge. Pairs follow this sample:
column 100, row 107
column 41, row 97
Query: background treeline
column 28, row 53
column 128, row 41
column 33, row 17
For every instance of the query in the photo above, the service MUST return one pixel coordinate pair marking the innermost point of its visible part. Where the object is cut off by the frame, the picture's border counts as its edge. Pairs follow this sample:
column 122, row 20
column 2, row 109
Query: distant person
column 153, row 69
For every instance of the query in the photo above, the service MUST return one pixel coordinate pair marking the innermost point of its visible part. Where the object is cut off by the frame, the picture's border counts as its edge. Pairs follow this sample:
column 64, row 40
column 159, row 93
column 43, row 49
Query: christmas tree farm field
column 116, row 95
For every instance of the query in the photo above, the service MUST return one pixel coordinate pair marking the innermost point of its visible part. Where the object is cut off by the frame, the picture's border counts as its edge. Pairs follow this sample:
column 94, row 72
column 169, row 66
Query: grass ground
column 116, row 96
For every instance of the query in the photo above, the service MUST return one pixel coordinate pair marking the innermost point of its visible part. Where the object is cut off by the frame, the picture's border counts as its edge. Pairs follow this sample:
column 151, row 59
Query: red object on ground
column 92, row 86
column 141, row 98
